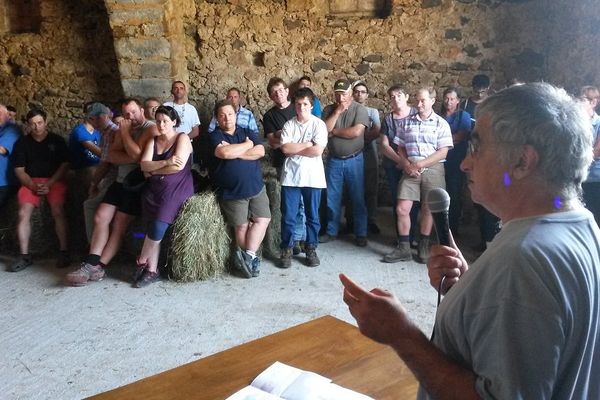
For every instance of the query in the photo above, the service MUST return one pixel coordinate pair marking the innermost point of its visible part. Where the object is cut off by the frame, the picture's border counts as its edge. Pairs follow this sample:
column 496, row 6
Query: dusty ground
column 60, row 342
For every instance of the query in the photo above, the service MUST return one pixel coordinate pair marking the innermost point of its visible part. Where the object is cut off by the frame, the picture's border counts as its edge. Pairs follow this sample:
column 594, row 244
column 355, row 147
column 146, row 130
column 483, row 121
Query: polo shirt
column 235, row 179
column 423, row 137
column 40, row 159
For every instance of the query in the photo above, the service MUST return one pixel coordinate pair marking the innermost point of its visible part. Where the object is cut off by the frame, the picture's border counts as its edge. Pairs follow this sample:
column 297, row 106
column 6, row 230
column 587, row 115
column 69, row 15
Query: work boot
column 87, row 272
column 423, row 251
column 312, row 260
column 402, row 252
column 285, row 260
column 298, row 247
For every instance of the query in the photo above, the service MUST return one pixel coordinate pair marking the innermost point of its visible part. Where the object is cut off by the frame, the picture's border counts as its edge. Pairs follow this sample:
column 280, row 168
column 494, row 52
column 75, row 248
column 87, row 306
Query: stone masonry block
column 135, row 17
column 147, row 87
column 143, row 48
column 156, row 69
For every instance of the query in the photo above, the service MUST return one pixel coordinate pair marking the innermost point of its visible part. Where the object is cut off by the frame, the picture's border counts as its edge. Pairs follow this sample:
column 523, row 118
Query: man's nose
column 467, row 163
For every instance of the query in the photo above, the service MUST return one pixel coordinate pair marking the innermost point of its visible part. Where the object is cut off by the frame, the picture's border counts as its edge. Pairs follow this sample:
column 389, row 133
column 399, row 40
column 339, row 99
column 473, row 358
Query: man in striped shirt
column 423, row 141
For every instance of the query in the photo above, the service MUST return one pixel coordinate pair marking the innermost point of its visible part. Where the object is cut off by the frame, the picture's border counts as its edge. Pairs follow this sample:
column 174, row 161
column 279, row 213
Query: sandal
column 147, row 278
column 139, row 270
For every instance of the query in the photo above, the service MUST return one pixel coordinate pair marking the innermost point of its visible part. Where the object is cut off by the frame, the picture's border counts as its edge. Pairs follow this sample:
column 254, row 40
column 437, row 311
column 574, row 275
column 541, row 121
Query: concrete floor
column 60, row 342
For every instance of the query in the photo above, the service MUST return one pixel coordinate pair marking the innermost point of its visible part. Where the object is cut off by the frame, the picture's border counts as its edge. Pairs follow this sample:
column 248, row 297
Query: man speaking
column 523, row 322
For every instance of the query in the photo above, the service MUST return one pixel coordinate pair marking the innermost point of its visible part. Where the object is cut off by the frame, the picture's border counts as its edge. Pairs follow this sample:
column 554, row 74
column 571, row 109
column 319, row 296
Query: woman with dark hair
column 460, row 125
column 167, row 162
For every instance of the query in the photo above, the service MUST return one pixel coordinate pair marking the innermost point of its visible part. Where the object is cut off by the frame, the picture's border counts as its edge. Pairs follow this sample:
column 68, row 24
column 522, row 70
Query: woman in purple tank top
column 167, row 162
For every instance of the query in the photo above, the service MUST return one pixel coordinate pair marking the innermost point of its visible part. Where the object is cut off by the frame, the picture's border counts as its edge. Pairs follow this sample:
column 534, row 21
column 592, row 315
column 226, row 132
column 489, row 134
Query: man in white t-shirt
column 303, row 140
column 190, row 122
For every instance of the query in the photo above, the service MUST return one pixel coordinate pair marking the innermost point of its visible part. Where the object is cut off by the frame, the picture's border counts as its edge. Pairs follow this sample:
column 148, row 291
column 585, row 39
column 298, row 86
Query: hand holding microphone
column 446, row 263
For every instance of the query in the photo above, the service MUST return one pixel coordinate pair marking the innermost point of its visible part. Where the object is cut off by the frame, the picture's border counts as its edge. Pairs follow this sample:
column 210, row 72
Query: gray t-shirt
column 526, row 316
column 354, row 115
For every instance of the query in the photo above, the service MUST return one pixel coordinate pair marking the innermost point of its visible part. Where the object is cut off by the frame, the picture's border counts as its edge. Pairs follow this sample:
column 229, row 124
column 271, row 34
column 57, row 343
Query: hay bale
column 270, row 245
column 200, row 244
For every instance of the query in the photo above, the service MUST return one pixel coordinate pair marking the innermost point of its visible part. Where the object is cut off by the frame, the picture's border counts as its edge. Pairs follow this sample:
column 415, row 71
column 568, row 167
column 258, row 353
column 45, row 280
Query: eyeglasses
column 474, row 143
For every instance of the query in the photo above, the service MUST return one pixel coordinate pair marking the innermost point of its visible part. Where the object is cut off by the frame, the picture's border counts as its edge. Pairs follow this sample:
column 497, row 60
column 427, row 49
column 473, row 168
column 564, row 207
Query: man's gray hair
column 553, row 123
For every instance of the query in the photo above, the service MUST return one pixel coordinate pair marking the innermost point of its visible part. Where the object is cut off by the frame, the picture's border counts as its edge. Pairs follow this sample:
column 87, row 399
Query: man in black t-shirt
column 41, row 162
column 274, row 119
column 282, row 111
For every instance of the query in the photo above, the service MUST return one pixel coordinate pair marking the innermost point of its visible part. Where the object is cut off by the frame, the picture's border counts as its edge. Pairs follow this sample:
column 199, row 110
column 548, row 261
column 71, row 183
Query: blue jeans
column 348, row 172
column 291, row 199
column 300, row 227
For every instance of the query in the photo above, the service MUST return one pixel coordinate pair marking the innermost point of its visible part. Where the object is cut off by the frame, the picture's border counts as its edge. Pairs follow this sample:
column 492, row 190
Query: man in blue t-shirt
column 237, row 177
column 9, row 134
column 84, row 141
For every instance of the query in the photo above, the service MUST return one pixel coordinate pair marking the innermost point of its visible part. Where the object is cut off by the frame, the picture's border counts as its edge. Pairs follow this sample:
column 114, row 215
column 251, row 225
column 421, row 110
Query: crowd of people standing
column 138, row 161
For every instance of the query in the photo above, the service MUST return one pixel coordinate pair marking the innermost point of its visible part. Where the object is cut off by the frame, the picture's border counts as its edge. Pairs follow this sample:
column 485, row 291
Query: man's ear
column 526, row 163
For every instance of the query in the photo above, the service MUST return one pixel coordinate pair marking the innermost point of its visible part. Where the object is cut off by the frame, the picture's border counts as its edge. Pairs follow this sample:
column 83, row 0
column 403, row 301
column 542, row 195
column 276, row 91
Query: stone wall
column 101, row 49
column 71, row 61
column 420, row 43
column 148, row 36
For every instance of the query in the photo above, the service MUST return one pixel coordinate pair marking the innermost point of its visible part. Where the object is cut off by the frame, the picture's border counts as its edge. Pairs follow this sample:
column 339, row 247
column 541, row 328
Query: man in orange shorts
column 41, row 162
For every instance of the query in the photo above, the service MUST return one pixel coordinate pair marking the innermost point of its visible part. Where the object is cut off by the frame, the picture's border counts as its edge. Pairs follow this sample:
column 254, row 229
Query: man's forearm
column 440, row 377
column 351, row 132
column 120, row 157
column 59, row 174
column 331, row 120
column 292, row 149
column 194, row 132
column 433, row 159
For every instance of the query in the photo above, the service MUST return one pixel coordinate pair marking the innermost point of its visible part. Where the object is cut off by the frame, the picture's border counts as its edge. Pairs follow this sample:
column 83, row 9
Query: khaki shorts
column 415, row 189
column 238, row 212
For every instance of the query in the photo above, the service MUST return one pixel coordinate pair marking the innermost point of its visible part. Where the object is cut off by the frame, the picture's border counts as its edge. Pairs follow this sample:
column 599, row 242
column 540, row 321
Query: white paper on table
column 307, row 386
column 276, row 378
column 252, row 393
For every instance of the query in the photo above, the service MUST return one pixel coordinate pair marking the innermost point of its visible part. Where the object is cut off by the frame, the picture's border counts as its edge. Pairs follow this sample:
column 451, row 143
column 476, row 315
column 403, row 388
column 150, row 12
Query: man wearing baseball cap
column 346, row 121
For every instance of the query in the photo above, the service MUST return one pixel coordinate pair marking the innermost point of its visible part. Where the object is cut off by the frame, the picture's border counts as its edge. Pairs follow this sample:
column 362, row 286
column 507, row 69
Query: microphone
column 438, row 202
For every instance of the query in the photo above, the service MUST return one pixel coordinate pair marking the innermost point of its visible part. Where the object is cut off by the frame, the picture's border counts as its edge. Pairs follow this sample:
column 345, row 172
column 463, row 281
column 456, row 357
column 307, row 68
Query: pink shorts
column 56, row 195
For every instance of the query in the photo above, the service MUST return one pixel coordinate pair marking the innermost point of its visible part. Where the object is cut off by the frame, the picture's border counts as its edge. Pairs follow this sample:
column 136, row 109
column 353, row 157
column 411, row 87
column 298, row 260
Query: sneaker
column 87, row 272
column 255, row 267
column 312, row 260
column 298, row 247
column 361, row 241
column 20, row 264
column 326, row 238
column 63, row 261
column 240, row 258
column 147, row 278
column 285, row 260
column 423, row 251
column 402, row 252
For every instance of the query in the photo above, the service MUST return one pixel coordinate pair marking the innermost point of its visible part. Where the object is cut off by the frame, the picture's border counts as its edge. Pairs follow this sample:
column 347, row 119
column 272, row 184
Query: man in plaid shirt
column 423, row 141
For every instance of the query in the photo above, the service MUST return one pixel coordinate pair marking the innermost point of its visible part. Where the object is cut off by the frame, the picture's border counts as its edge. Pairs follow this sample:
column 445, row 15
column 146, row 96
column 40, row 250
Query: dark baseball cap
column 341, row 85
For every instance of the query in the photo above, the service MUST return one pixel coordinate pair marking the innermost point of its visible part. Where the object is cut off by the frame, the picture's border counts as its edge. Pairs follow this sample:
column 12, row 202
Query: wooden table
column 327, row 346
